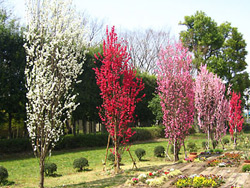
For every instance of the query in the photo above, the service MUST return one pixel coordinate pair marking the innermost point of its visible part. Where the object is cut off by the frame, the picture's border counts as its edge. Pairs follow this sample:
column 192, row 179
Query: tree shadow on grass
column 101, row 183
column 144, row 160
column 117, row 180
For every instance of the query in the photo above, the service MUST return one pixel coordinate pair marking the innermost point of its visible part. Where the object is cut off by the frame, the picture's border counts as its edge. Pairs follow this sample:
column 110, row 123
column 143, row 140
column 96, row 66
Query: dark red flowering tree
column 119, row 89
column 236, row 119
column 175, row 87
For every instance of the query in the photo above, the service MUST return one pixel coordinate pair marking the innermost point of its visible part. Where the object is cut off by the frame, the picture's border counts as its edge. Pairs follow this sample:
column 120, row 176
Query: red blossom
column 236, row 119
column 119, row 87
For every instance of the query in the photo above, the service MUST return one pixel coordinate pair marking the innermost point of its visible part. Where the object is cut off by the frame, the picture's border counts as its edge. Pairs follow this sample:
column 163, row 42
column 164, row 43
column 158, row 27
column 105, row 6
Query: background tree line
column 221, row 47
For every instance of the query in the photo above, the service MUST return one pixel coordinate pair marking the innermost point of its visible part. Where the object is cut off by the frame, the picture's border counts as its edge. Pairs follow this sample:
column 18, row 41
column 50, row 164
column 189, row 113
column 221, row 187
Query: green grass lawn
column 24, row 170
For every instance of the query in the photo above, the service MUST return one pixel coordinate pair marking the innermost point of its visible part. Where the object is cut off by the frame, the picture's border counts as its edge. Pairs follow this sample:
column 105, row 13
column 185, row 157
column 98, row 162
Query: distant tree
column 88, row 91
column 211, row 105
column 236, row 119
column 144, row 114
column 221, row 47
column 144, row 47
column 119, row 90
column 12, row 64
column 155, row 106
column 175, row 87
column 54, row 43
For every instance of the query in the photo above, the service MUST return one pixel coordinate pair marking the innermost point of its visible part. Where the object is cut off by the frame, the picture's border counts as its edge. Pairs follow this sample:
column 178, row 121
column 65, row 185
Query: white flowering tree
column 54, row 45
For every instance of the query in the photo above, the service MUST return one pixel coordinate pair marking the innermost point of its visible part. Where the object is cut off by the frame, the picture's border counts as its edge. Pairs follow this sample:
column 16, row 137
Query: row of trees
column 225, row 57
column 179, row 94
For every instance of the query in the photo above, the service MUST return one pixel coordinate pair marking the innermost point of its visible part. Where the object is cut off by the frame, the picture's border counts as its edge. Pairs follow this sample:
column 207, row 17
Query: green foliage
column 89, row 93
column 80, row 163
column 79, row 141
column 12, row 64
column 191, row 147
column 111, row 158
column 218, row 151
column 50, row 168
column 155, row 106
column 159, row 151
column 3, row 174
column 221, row 47
column 246, row 168
column 139, row 152
column 143, row 112
column 204, row 144
column 16, row 145
column 225, row 141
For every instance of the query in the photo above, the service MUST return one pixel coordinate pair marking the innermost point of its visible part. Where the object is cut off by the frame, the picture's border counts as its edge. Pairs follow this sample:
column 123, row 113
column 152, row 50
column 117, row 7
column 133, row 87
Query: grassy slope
column 24, row 171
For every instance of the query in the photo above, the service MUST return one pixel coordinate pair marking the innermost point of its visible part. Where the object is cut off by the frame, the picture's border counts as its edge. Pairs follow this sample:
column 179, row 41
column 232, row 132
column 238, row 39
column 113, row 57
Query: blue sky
column 141, row 14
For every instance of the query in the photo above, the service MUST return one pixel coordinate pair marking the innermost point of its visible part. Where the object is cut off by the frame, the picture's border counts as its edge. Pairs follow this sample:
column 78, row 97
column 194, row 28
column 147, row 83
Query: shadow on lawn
column 118, row 179
column 101, row 183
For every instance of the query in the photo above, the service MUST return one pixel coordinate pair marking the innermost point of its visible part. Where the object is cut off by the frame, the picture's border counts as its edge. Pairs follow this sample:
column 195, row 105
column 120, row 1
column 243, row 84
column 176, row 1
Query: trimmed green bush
column 218, row 151
column 204, row 145
column 159, row 151
column 80, row 163
column 111, row 158
column 246, row 168
column 191, row 147
column 50, row 168
column 225, row 141
column 3, row 174
column 140, row 153
column 79, row 141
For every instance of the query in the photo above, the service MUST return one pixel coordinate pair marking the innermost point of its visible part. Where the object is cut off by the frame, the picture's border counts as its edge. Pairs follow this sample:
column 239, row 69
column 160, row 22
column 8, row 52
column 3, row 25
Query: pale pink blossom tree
column 175, row 88
column 211, row 104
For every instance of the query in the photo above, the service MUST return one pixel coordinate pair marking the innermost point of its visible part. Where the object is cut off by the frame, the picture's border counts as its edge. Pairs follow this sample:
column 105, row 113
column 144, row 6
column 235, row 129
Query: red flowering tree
column 119, row 89
column 235, row 118
column 175, row 88
column 211, row 104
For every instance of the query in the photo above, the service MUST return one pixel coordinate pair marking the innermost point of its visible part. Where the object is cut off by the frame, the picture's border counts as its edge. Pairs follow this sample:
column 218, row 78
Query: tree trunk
column 84, row 125
column 235, row 138
column 185, row 151
column 10, row 126
column 41, row 164
column 94, row 126
column 74, row 127
column 208, row 139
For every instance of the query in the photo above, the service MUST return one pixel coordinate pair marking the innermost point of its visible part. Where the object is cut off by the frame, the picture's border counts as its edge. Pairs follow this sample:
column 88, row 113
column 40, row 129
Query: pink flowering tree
column 175, row 88
column 236, row 119
column 119, row 87
column 211, row 104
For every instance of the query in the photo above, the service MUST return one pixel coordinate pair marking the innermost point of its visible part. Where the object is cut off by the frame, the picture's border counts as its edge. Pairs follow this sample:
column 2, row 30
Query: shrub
column 159, row 151
column 191, row 147
column 3, row 174
column 225, row 141
column 140, row 153
column 215, row 143
column 80, row 140
column 111, row 158
column 204, row 144
column 50, row 168
column 246, row 168
column 80, row 163
column 218, row 151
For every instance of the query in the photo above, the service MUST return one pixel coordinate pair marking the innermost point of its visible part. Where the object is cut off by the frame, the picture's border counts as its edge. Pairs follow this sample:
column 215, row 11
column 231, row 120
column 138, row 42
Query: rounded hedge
column 140, row 153
column 50, row 168
column 3, row 174
column 80, row 163
column 159, row 151
column 225, row 141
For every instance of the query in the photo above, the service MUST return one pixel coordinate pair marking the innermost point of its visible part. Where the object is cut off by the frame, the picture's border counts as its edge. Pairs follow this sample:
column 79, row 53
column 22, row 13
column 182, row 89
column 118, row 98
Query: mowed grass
column 24, row 170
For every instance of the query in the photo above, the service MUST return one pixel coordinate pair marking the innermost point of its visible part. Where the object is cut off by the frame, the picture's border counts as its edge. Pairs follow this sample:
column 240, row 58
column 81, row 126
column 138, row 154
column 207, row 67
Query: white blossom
column 54, row 42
